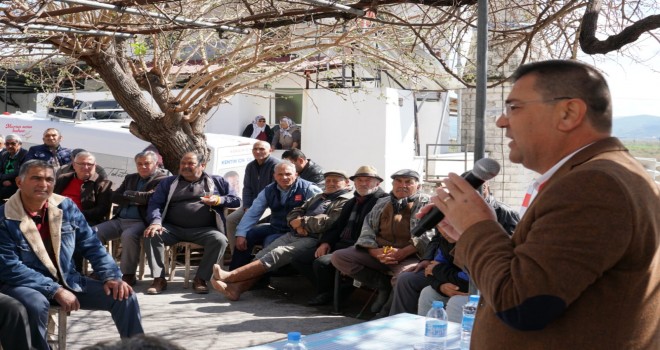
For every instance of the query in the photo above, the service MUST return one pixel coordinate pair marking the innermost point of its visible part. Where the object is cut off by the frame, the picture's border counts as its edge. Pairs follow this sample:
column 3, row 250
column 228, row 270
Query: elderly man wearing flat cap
column 342, row 234
column 307, row 222
column 385, row 246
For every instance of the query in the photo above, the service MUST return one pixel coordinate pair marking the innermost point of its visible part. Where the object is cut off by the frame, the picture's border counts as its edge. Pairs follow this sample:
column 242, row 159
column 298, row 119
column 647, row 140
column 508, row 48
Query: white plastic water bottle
column 469, row 312
column 293, row 342
column 435, row 333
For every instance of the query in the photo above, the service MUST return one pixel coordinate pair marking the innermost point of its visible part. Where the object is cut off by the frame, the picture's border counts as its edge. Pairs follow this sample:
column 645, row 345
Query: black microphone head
column 486, row 169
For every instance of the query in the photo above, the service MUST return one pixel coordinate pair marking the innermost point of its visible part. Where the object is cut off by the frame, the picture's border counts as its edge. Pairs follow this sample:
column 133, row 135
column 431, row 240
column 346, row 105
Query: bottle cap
column 438, row 304
column 293, row 336
column 474, row 298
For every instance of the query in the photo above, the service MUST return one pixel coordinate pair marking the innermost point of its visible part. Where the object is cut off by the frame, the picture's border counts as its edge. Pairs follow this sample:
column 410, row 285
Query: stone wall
column 511, row 184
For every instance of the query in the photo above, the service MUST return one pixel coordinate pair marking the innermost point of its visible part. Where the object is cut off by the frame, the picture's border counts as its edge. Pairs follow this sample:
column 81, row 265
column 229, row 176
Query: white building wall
column 359, row 129
column 231, row 118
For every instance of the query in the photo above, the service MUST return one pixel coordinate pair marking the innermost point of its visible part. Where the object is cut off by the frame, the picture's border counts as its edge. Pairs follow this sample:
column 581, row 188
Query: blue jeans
column 262, row 235
column 125, row 313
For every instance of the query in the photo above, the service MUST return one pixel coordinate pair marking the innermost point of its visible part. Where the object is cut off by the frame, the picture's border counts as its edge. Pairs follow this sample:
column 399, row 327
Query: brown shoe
column 199, row 286
column 157, row 286
column 129, row 278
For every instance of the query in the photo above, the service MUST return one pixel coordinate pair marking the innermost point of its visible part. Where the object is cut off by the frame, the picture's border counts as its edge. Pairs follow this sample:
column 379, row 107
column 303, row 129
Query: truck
column 115, row 147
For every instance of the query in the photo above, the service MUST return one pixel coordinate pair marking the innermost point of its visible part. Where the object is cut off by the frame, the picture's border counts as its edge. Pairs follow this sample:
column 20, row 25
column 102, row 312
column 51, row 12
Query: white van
column 114, row 146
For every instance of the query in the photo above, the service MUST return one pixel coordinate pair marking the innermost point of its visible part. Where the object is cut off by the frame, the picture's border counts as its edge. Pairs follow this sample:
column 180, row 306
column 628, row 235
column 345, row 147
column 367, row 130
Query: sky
column 635, row 86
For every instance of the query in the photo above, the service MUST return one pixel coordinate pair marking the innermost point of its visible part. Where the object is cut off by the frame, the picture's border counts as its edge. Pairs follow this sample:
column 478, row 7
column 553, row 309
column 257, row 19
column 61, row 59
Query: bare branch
column 592, row 45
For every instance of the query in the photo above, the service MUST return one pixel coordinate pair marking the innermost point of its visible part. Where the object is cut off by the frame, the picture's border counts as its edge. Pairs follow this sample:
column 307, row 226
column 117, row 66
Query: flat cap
column 367, row 171
column 336, row 173
column 406, row 173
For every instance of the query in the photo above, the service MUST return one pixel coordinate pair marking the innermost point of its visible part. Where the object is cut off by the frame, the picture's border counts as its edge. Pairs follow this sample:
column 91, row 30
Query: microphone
column 484, row 170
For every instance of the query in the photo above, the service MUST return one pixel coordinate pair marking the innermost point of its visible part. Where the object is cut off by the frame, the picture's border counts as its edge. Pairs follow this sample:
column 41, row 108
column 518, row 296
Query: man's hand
column 322, row 250
column 241, row 243
column 296, row 223
column 153, row 230
column 67, row 300
column 450, row 290
column 301, row 231
column 120, row 290
column 211, row 200
column 385, row 255
column 421, row 265
column 428, row 269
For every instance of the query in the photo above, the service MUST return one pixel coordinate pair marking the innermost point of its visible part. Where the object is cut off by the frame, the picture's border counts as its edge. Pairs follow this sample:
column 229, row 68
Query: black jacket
column 248, row 132
column 4, row 159
column 445, row 271
column 333, row 235
column 126, row 194
column 313, row 172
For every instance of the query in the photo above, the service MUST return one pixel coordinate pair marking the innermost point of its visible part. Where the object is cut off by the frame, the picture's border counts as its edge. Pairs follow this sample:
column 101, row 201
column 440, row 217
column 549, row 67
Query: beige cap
column 367, row 171
column 340, row 173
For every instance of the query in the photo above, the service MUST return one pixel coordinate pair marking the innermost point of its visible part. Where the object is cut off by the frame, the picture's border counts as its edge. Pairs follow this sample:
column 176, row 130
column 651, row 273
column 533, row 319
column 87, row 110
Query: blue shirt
column 252, row 216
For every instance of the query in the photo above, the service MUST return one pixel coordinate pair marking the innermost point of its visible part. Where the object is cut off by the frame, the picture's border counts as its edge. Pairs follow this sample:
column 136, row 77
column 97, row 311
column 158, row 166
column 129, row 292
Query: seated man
column 51, row 150
column 436, row 274
column 342, row 234
column 286, row 193
column 188, row 207
column 385, row 245
column 68, row 168
column 85, row 187
column 11, row 160
column 258, row 175
column 306, row 168
column 436, row 277
column 129, row 223
column 307, row 222
column 88, row 190
column 14, row 326
column 39, row 232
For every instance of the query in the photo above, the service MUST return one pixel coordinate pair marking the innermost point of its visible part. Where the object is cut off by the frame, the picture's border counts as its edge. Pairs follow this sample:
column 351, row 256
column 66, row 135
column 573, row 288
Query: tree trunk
column 171, row 135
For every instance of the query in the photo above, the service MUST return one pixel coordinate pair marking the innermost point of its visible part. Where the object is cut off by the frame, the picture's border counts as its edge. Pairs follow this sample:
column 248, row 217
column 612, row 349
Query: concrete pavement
column 196, row 321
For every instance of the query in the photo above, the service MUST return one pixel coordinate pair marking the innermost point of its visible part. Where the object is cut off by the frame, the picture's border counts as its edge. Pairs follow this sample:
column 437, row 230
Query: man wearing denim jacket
column 39, row 231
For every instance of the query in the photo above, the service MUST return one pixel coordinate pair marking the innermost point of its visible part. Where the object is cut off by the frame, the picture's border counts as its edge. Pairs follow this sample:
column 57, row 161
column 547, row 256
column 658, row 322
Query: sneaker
column 129, row 278
column 157, row 286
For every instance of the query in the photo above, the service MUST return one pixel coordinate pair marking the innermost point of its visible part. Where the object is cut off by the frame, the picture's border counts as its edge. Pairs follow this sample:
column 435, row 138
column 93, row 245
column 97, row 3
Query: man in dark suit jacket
column 11, row 160
column 582, row 269
column 129, row 223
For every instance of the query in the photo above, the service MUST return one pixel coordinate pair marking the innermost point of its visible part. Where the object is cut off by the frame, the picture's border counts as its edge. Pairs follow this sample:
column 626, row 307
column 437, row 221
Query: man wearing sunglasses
column 10, row 161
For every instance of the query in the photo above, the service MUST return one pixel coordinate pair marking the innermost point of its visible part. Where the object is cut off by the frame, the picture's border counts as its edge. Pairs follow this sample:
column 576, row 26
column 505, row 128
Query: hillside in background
column 637, row 127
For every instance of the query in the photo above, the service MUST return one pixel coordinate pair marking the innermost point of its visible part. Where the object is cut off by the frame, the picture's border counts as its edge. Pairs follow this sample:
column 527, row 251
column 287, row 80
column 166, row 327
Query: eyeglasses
column 509, row 107
column 85, row 165
column 11, row 143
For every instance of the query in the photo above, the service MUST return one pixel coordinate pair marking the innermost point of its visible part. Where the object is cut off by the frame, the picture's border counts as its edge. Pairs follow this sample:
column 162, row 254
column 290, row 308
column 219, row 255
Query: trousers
column 14, row 325
column 213, row 241
column 125, row 313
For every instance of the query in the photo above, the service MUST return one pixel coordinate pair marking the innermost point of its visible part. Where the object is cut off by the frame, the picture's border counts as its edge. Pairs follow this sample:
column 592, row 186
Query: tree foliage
column 189, row 60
